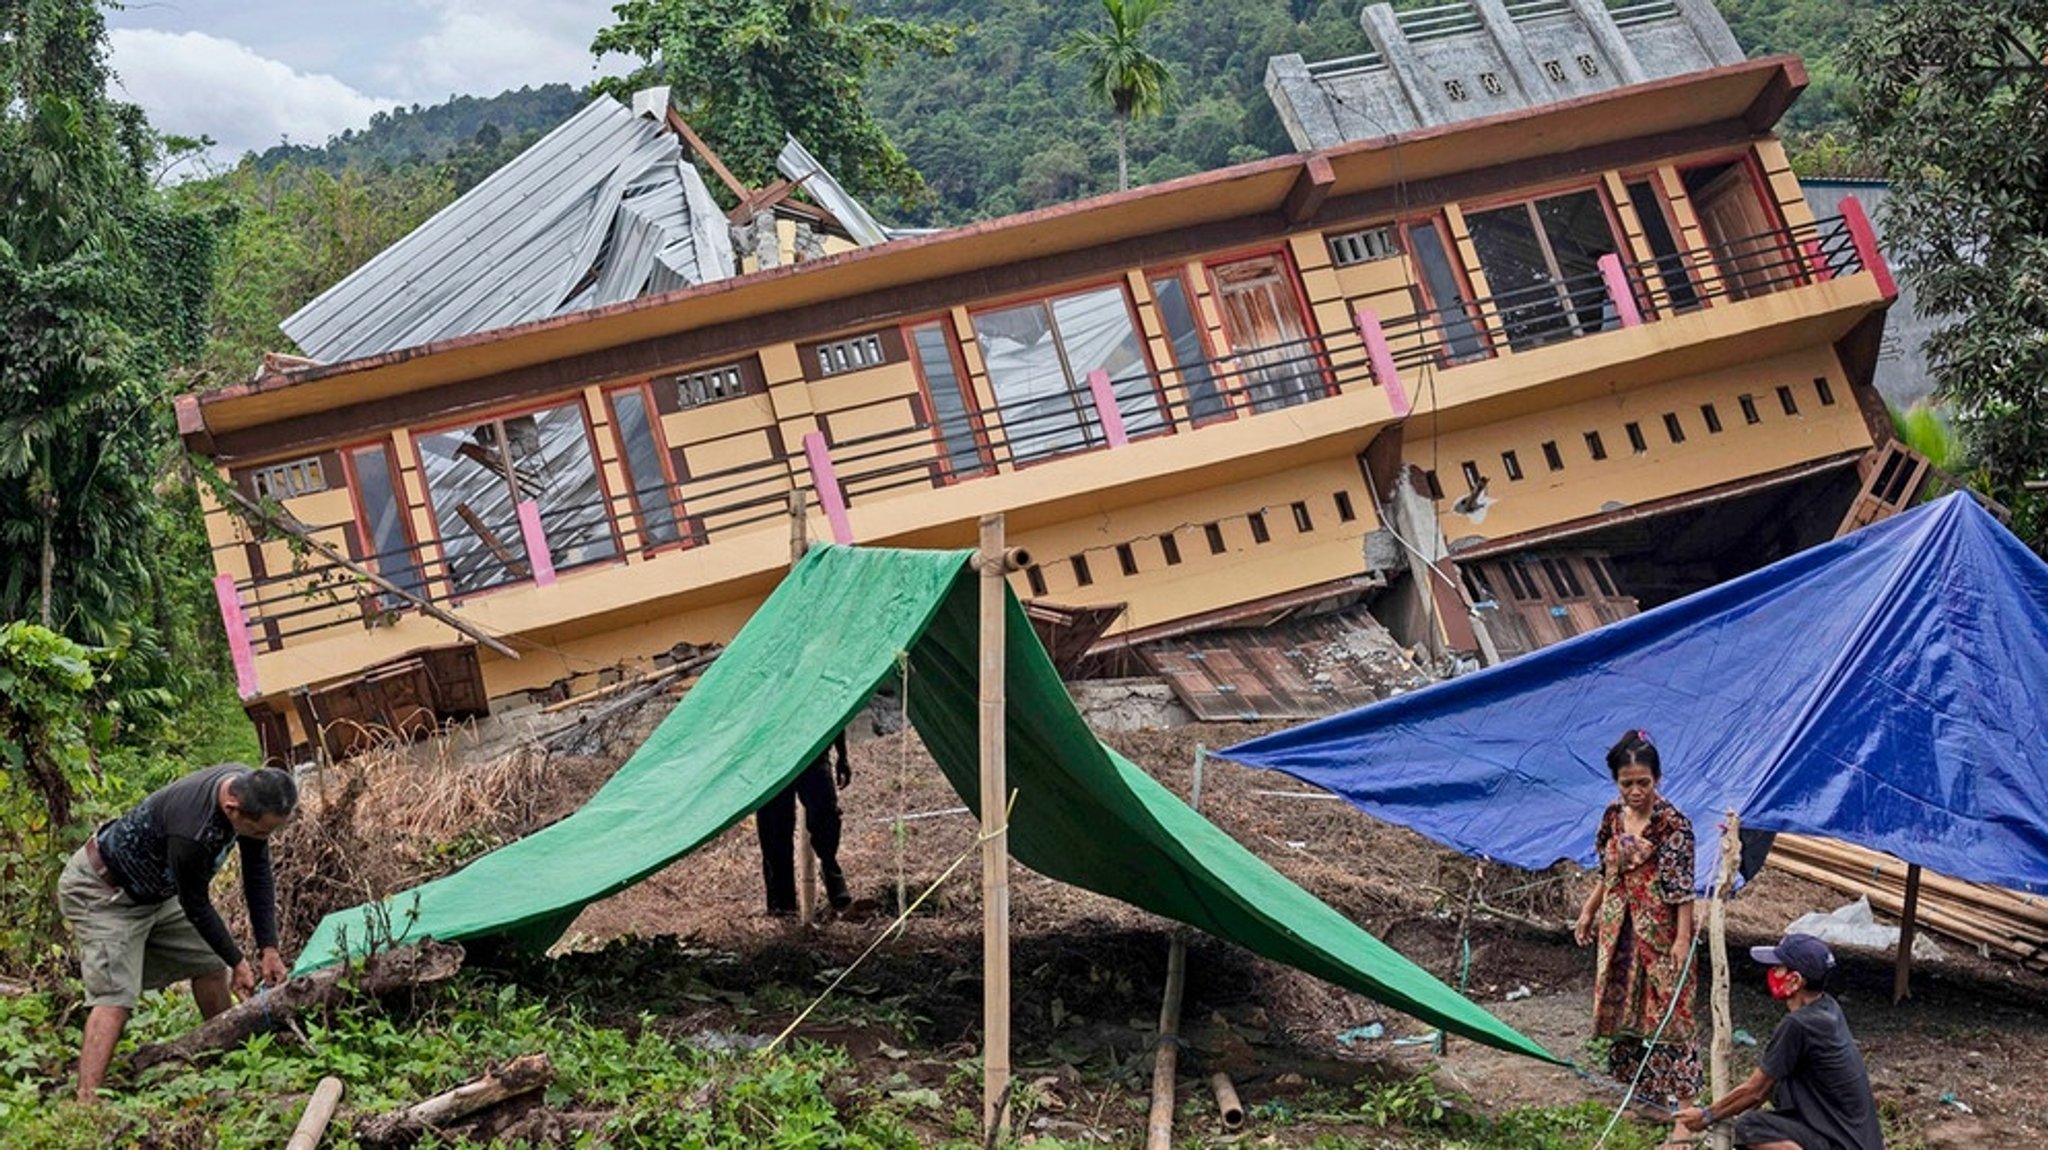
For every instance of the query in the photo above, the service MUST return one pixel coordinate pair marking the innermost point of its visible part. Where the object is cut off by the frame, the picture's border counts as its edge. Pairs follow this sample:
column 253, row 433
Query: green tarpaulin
column 794, row 676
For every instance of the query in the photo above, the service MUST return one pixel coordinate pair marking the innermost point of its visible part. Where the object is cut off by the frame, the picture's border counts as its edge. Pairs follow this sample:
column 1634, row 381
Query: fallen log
column 380, row 974
column 522, row 1075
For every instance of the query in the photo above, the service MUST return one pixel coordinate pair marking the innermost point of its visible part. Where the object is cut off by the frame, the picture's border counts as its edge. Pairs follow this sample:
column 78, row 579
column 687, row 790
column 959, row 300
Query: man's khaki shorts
column 125, row 947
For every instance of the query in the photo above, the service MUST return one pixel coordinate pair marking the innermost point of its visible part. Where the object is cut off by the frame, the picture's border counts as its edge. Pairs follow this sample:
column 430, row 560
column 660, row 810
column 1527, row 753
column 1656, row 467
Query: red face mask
column 1779, row 982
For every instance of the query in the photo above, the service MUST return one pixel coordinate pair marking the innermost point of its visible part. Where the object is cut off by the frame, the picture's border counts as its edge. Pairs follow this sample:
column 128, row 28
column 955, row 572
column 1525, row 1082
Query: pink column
column 1865, row 238
column 537, row 556
column 1382, row 358
column 237, row 629
column 826, row 481
column 1105, row 408
column 1619, row 291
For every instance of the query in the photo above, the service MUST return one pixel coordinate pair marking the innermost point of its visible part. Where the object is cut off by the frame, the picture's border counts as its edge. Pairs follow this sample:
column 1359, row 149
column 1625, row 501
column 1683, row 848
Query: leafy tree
column 1952, row 98
column 45, row 680
column 746, row 73
column 1135, row 83
column 101, row 287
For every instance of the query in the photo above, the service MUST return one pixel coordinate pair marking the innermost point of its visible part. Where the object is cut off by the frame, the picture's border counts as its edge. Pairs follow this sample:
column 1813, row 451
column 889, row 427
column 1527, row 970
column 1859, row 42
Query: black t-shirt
column 1820, row 1076
column 173, row 843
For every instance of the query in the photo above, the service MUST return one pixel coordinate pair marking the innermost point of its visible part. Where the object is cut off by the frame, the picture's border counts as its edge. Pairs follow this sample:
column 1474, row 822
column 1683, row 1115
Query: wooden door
column 1262, row 319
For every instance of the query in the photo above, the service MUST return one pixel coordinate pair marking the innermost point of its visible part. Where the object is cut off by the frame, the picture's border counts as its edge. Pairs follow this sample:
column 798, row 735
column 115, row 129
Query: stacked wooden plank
column 2003, row 923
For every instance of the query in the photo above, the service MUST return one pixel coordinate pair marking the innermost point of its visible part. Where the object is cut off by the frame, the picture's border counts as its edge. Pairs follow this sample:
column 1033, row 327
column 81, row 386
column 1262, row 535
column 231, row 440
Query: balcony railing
column 936, row 451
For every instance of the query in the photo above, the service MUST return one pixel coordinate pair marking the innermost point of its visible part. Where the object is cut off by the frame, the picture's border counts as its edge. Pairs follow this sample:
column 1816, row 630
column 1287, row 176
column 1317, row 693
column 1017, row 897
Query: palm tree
column 1120, row 70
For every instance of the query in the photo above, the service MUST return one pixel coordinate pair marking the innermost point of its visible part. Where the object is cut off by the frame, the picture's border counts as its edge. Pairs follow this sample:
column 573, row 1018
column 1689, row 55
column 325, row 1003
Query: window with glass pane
column 1542, row 261
column 381, row 515
column 653, row 499
column 477, row 477
column 1262, row 318
column 1204, row 401
column 1449, row 306
column 952, row 418
column 1039, row 356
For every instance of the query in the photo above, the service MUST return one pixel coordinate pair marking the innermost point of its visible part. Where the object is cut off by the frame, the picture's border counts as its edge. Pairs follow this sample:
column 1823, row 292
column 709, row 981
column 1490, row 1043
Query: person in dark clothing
column 1812, row 1071
column 776, row 825
column 137, row 899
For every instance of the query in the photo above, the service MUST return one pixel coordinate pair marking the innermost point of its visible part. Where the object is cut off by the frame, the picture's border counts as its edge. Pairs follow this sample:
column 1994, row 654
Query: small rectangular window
column 1082, row 576
column 1344, row 512
column 1170, row 547
column 1749, row 414
column 850, row 354
column 1520, row 583
column 285, row 480
column 1786, row 401
column 1214, row 532
column 1125, row 560
column 1510, row 464
column 1302, row 522
column 698, row 388
column 1821, row 389
column 1476, row 584
column 1672, row 428
column 1436, row 489
column 1036, row 578
column 1635, row 438
column 1712, row 418
column 1257, row 519
column 1471, row 471
column 1552, row 458
column 1363, row 246
column 1594, row 447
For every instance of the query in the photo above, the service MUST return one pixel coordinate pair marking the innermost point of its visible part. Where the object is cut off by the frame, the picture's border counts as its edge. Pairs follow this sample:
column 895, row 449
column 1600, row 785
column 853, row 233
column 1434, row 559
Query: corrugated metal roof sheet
column 797, row 163
column 602, row 209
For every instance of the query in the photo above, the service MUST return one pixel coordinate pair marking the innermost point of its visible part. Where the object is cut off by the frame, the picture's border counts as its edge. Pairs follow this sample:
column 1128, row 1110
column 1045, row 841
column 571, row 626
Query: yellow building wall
column 1585, row 487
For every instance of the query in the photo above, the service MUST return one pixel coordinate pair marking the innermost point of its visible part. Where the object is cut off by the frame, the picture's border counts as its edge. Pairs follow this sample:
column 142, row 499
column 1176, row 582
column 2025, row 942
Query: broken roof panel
column 797, row 163
column 602, row 209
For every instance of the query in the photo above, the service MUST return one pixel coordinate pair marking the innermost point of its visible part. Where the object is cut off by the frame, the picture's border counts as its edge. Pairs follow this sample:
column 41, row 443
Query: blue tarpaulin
column 1884, row 689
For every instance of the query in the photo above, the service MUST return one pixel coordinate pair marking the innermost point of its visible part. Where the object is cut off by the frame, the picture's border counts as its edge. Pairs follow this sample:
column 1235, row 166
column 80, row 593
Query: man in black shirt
column 1812, row 1071
column 136, row 897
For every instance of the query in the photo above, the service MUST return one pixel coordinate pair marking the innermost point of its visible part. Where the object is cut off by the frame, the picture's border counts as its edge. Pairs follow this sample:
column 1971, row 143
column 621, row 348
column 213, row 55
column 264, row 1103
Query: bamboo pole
column 807, row 859
column 1166, row 1055
column 1228, row 1108
column 1720, row 1052
column 995, row 848
column 1902, row 963
column 319, row 1112
column 297, row 530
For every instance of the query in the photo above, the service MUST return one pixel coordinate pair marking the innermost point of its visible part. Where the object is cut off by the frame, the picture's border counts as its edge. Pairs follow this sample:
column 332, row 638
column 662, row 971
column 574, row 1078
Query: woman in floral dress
column 1641, row 914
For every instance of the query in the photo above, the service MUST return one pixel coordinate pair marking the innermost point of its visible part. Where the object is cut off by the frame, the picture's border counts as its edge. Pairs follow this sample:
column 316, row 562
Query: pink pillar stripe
column 537, row 556
column 1106, row 410
column 1865, row 238
column 1619, row 291
column 1382, row 357
column 826, row 481
column 237, row 629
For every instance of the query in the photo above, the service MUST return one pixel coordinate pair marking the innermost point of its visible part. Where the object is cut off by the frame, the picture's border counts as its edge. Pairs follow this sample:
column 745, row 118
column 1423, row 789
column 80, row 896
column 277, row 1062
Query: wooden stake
column 1166, row 1056
column 1902, row 963
column 807, row 859
column 1720, row 1052
column 319, row 1112
column 995, row 847
column 255, row 513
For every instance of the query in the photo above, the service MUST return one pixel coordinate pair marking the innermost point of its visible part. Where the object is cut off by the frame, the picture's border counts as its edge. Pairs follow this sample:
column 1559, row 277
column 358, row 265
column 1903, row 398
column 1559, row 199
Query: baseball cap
column 1800, row 952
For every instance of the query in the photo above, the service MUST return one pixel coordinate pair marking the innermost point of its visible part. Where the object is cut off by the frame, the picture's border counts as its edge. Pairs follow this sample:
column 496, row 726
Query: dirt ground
column 1962, row 1063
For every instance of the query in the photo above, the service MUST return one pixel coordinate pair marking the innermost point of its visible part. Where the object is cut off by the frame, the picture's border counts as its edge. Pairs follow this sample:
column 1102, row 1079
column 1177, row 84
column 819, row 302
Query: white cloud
column 191, row 83
column 481, row 48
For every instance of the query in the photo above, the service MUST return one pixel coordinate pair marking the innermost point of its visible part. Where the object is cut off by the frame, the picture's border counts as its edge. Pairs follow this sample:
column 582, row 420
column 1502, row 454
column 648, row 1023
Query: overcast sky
column 250, row 73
